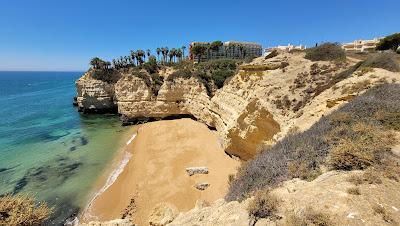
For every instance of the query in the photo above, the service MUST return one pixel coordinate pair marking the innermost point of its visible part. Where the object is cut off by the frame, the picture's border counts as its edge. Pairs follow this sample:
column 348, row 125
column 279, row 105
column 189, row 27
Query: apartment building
column 361, row 45
column 287, row 48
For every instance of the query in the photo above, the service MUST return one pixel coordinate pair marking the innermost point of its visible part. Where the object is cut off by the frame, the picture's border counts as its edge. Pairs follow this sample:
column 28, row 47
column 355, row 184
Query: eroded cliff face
column 95, row 96
column 263, row 102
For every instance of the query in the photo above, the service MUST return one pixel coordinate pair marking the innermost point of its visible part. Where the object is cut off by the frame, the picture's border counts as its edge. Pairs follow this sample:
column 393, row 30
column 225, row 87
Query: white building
column 286, row 48
column 361, row 45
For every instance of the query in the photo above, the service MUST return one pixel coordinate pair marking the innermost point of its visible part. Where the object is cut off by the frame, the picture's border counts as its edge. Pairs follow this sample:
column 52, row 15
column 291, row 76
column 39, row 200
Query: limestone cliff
column 94, row 96
column 260, row 104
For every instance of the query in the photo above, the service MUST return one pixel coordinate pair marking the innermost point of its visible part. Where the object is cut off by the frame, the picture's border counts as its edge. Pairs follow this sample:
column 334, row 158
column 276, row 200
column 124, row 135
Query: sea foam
column 113, row 176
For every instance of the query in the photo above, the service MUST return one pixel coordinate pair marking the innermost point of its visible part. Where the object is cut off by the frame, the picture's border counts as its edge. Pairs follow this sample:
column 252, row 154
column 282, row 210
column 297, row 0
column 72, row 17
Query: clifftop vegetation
column 212, row 73
column 22, row 211
column 326, row 52
column 358, row 136
column 391, row 42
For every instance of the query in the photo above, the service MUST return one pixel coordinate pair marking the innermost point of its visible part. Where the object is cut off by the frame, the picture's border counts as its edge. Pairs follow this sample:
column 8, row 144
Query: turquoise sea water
column 47, row 149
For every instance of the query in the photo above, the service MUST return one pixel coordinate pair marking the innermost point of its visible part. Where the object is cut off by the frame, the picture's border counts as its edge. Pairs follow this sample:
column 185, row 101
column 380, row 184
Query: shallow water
column 47, row 149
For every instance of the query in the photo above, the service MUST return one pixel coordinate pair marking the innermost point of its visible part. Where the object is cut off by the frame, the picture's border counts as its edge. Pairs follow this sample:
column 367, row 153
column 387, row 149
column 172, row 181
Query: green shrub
column 156, row 82
column 22, row 211
column 109, row 75
column 219, row 76
column 385, row 61
column 389, row 42
column 151, row 66
column 180, row 73
column 211, row 65
column 326, row 52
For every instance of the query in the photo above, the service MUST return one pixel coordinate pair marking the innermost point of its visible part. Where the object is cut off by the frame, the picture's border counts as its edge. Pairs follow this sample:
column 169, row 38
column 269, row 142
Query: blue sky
column 65, row 34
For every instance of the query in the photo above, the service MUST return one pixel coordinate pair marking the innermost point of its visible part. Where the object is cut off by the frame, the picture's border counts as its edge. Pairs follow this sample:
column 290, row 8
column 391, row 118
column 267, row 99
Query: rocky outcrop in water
column 94, row 96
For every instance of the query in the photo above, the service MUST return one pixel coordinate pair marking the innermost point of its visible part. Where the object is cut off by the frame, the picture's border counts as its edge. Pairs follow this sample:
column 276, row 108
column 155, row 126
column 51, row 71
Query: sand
column 156, row 171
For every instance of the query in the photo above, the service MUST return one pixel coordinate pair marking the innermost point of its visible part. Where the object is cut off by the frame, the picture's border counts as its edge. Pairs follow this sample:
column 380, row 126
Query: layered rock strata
column 263, row 102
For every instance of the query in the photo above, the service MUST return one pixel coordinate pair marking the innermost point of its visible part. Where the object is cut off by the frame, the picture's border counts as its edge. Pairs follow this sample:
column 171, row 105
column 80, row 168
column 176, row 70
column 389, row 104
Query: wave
column 110, row 180
column 130, row 140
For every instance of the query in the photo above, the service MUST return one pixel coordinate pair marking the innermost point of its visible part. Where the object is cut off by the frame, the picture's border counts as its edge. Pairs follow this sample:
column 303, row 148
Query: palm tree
column 140, row 54
column 133, row 56
column 179, row 54
column 163, row 51
column 148, row 52
column 158, row 53
column 171, row 54
column 166, row 53
column 183, row 51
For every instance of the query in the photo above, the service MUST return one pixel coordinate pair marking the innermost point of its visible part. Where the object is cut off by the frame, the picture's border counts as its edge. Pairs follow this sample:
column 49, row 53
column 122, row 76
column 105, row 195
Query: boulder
column 163, row 214
column 197, row 170
column 116, row 222
column 202, row 186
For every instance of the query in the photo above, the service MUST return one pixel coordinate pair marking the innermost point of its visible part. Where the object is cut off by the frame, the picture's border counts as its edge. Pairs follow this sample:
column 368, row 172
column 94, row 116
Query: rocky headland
column 266, row 100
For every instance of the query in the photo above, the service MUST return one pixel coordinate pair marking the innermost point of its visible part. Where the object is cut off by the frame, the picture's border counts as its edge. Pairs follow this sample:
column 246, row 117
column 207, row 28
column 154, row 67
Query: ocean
column 47, row 149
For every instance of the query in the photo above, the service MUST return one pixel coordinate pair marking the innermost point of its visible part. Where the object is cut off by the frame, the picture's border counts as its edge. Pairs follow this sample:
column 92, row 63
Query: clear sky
column 65, row 34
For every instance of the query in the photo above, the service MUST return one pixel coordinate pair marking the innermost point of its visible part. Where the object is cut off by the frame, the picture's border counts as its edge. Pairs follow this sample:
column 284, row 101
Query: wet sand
column 156, row 172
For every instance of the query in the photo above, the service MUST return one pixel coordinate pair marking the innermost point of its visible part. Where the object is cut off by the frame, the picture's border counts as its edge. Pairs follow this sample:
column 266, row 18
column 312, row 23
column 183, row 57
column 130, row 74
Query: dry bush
column 385, row 61
column 357, row 87
column 364, row 145
column 354, row 191
column 273, row 54
column 365, row 70
column 22, row 211
column 264, row 205
column 353, row 127
column 326, row 52
column 264, row 67
column 332, row 103
column 380, row 210
column 390, row 168
column 355, row 179
column 371, row 176
column 308, row 217
column 391, row 120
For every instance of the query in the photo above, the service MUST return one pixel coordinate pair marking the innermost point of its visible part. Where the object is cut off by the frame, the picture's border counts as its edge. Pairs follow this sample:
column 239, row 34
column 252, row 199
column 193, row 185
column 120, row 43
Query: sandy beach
column 155, row 173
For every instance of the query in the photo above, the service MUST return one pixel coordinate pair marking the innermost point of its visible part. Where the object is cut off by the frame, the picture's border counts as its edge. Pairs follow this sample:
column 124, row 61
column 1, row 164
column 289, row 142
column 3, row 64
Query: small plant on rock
column 264, row 205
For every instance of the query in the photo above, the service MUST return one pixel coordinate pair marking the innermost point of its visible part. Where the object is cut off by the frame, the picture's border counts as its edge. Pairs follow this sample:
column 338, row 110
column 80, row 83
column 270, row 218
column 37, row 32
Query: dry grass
column 352, row 137
column 385, row 61
column 326, row 52
column 255, row 68
column 308, row 217
column 371, row 176
column 332, row 103
column 354, row 191
column 364, row 70
column 264, row 205
column 380, row 210
column 364, row 147
column 357, row 87
column 22, row 211
column 355, row 179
